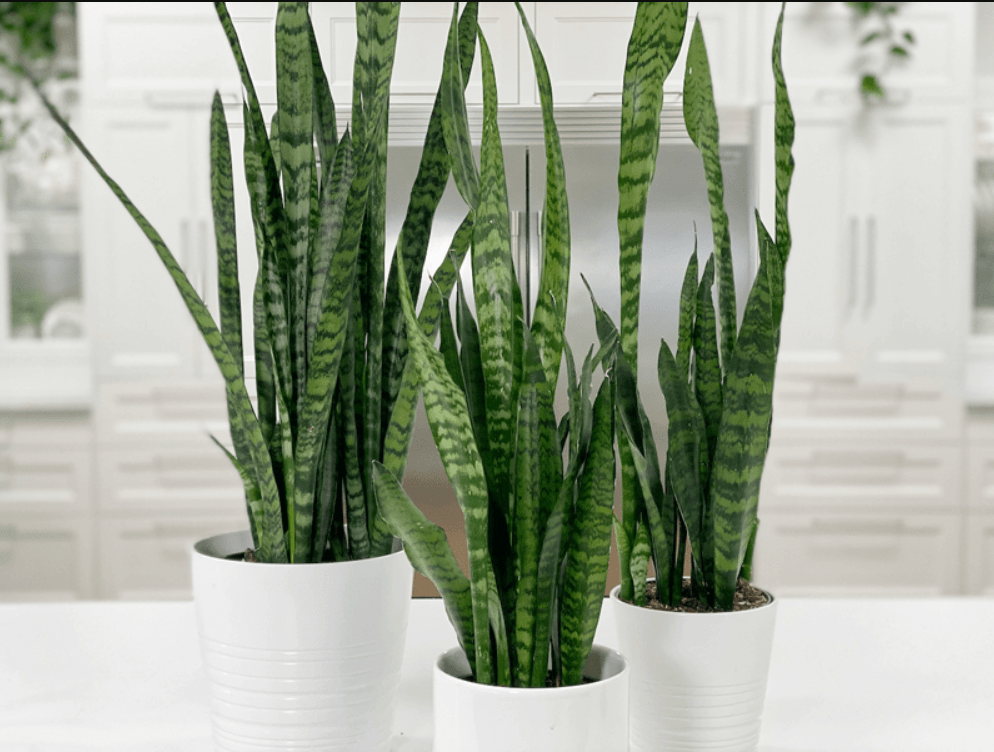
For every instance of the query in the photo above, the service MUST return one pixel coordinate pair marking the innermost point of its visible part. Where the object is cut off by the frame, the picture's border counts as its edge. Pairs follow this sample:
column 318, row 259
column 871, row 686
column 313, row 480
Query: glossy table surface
column 846, row 676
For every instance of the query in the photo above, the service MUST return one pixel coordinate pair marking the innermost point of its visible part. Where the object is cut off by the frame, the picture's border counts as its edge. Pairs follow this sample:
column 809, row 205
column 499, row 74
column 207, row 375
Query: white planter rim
column 771, row 599
column 220, row 547
column 609, row 667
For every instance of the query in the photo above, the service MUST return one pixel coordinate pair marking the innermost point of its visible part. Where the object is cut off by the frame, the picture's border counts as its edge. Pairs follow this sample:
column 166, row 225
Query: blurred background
column 880, row 478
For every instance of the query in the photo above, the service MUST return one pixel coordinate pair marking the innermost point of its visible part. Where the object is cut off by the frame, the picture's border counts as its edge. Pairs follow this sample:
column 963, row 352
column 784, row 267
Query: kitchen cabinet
column 821, row 52
column 867, row 293
column 585, row 45
column 847, row 554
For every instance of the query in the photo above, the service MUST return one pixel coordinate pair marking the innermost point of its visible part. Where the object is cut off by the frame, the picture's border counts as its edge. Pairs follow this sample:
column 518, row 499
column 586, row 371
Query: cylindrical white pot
column 590, row 717
column 698, row 681
column 300, row 656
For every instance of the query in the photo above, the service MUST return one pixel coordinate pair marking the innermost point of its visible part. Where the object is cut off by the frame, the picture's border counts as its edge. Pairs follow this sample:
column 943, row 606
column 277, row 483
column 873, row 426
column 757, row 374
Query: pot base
column 590, row 717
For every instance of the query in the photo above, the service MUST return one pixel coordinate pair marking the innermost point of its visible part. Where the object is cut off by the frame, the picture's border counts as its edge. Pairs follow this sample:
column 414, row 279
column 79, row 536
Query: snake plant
column 335, row 389
column 538, row 528
column 718, row 386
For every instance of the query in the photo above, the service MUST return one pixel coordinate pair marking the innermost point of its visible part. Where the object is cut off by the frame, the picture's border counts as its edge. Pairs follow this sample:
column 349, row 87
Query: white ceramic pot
column 698, row 681
column 300, row 656
column 590, row 717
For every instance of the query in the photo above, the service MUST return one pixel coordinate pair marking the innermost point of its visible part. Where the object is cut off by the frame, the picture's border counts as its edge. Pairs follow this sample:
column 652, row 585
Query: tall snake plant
column 718, row 386
column 538, row 532
column 336, row 393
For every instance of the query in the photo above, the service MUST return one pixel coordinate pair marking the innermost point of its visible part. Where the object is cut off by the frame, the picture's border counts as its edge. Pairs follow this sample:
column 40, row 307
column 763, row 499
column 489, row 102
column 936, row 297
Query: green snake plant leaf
column 325, row 124
column 471, row 360
column 549, row 321
column 429, row 185
column 641, row 552
column 326, row 496
column 455, row 120
column 331, row 217
column 743, row 441
column 498, row 626
column 657, row 35
column 590, row 552
column 707, row 368
column 449, row 348
column 688, row 307
column 223, row 203
column 295, row 110
column 547, row 591
column 631, row 491
column 683, row 453
column 355, row 492
column 624, row 544
column 528, row 521
column 783, row 141
column 400, row 427
column 448, row 417
column 428, row 549
column 656, row 38
column 270, row 528
column 493, row 276
column 701, row 119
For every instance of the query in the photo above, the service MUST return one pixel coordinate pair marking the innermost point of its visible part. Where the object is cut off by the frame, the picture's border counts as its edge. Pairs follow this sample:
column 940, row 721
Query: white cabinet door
column 159, row 158
column 420, row 51
column 585, row 45
column 880, row 217
column 916, row 242
column 821, row 52
column 821, row 332
column 169, row 53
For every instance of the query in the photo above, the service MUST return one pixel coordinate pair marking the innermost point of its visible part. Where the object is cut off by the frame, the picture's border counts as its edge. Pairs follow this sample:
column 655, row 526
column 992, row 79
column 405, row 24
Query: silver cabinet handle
column 853, row 262
column 871, row 262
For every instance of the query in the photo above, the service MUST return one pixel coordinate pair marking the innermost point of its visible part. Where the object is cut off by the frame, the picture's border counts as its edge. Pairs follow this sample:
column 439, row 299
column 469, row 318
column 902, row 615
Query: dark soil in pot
column 747, row 596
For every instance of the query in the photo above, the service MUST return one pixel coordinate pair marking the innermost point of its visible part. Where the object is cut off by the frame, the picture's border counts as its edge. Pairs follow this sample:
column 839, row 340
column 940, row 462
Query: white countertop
column 847, row 676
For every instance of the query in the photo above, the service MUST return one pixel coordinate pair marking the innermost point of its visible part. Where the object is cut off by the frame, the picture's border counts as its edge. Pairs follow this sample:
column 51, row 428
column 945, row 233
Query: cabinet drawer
column 45, row 560
column 861, row 475
column 980, row 554
column 153, row 413
column 34, row 479
column 46, row 430
column 195, row 478
column 980, row 474
column 841, row 407
column 150, row 560
column 846, row 555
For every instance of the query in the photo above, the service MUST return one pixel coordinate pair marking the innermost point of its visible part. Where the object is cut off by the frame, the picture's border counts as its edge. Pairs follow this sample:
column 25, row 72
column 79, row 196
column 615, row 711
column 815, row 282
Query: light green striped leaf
column 428, row 549
column 743, row 441
column 268, row 515
column 493, row 276
column 701, row 118
column 450, row 424
column 685, row 434
column 590, row 551
column 783, row 141
column 433, row 173
column 549, row 321
column 455, row 120
column 657, row 35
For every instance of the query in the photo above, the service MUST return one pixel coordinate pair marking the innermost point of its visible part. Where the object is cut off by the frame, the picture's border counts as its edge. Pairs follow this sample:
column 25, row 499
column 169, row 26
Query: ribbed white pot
column 698, row 681
column 590, row 717
column 300, row 656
